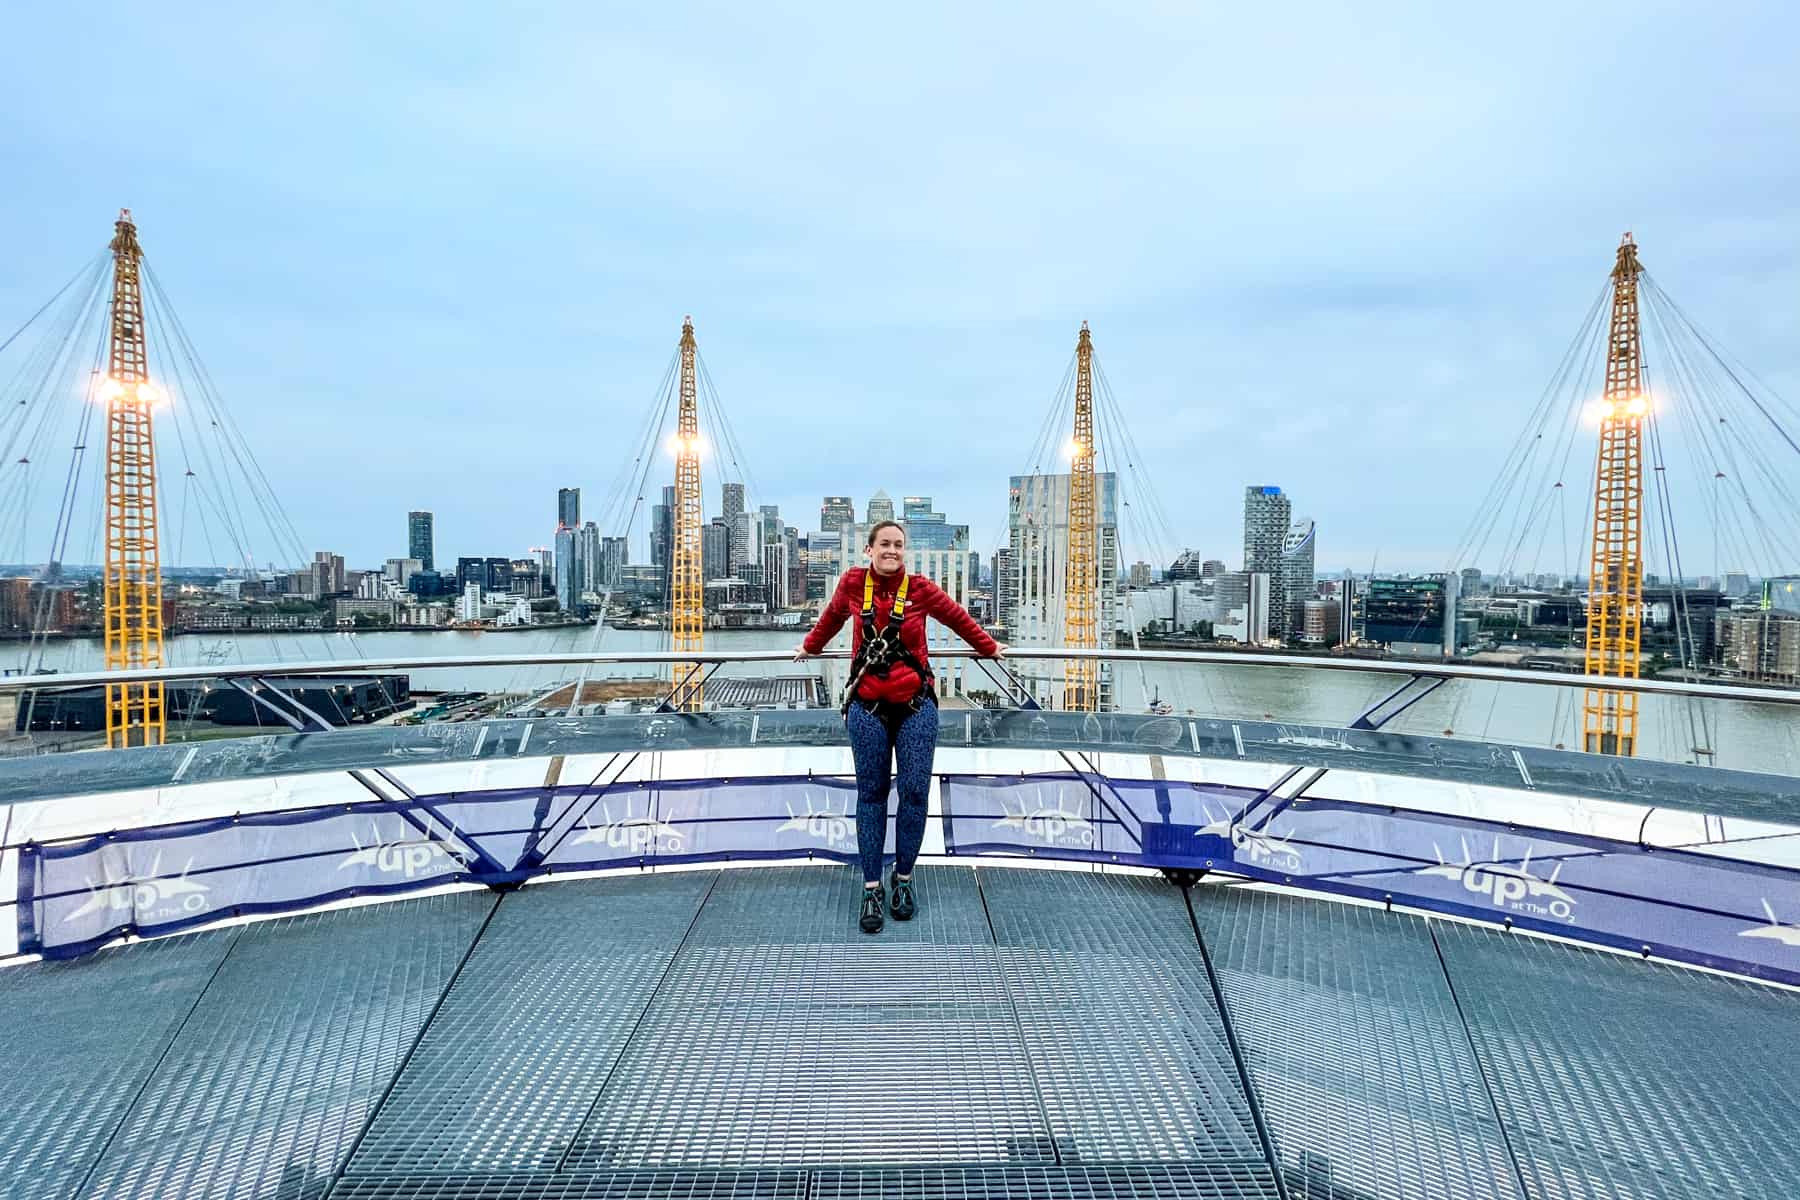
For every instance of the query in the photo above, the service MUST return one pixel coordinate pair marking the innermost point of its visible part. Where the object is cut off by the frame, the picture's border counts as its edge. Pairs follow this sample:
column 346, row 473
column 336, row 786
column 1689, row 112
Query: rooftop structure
column 1146, row 964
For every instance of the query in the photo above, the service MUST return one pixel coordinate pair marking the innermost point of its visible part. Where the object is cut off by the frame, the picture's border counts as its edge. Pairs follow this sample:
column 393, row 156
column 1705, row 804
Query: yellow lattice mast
column 1080, row 602
column 134, row 633
column 686, row 612
column 1616, row 568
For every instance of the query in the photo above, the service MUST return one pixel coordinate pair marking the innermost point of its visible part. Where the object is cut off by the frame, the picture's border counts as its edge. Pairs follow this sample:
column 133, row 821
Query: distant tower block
column 1616, row 566
column 133, row 581
column 1081, row 580
column 686, row 595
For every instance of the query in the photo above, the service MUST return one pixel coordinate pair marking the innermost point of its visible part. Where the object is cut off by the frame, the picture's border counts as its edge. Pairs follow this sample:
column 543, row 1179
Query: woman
column 890, row 706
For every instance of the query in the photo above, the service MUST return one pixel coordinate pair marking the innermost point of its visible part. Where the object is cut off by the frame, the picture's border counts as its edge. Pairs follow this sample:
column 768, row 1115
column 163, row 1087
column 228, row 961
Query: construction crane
column 686, row 612
column 1616, row 564
column 1080, row 602
column 134, row 628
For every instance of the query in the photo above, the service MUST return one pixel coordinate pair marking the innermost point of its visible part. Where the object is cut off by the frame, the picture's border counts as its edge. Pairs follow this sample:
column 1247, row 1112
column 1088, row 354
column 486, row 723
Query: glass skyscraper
column 419, row 539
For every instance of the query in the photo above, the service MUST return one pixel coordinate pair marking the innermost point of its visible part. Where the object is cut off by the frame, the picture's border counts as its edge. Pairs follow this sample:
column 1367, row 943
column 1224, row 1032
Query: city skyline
column 1432, row 282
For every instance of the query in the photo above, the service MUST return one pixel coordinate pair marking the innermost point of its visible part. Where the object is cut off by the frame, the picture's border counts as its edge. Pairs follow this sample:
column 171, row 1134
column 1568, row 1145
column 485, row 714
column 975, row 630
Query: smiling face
column 887, row 549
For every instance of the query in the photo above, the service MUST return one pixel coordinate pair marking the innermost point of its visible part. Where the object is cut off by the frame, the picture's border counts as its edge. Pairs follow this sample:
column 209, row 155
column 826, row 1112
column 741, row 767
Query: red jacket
column 923, row 599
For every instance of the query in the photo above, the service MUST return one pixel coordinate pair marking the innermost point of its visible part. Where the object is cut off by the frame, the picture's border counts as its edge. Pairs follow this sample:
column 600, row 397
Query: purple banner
column 1699, row 908
column 81, row 893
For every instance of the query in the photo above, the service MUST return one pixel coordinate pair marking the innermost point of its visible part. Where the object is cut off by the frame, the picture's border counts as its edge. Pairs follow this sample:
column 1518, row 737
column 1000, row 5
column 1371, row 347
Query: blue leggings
column 875, row 747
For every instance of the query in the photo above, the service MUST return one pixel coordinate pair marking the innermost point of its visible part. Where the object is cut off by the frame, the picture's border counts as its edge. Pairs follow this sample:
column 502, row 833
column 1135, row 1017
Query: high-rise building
column 1298, row 580
column 1782, row 593
column 1038, row 539
column 492, row 574
column 568, row 586
column 766, row 525
column 1763, row 645
column 1211, row 567
column 419, row 538
column 1347, row 593
column 881, row 508
column 662, row 536
column 796, row 565
column 731, row 500
column 613, row 556
column 527, row 579
column 918, row 508
column 1412, row 614
column 715, row 549
column 1737, row 584
column 568, row 507
column 1140, row 574
column 1185, row 566
column 401, row 570
column 775, row 572
column 1268, row 515
column 587, row 550
column 824, row 553
column 328, row 576
column 1471, row 580
column 1006, row 588
column 1320, row 622
column 468, row 604
column 737, row 529
column 835, row 513
column 743, row 543
column 949, row 567
column 1242, row 603
column 928, row 530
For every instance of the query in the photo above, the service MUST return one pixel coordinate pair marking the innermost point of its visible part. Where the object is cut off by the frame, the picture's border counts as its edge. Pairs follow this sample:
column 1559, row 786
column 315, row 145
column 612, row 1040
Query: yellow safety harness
column 882, row 648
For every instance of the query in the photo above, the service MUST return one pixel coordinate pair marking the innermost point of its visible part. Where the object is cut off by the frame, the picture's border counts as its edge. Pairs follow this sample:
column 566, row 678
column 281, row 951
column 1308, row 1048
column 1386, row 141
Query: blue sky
column 438, row 258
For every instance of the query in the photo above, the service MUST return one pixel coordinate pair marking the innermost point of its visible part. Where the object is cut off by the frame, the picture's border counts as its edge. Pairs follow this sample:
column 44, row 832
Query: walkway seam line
column 125, row 1116
column 644, row 1012
column 1487, row 1084
column 406, row 1059
column 1037, row 1090
column 1237, row 1054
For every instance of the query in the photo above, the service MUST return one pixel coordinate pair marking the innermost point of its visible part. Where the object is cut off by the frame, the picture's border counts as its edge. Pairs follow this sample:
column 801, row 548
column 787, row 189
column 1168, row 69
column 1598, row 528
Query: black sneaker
column 872, row 903
column 904, row 905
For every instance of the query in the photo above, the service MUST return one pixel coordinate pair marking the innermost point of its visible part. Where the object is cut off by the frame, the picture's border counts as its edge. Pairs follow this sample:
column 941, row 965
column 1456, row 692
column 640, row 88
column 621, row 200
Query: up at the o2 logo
column 148, row 900
column 1259, row 848
column 1509, row 886
column 1775, row 931
column 834, row 829
column 634, row 835
column 409, row 860
column 1051, row 826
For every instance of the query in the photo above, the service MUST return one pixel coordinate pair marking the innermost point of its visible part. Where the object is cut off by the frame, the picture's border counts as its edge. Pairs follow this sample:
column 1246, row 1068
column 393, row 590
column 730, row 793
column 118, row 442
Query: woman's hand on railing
column 801, row 652
column 999, row 650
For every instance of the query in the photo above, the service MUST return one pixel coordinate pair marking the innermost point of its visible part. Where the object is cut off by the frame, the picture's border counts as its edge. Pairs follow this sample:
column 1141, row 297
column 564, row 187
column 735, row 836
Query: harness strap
column 882, row 648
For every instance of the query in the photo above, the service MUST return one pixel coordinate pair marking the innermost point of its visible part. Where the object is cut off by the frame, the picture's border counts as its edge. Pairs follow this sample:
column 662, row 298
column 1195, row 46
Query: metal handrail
column 1369, row 666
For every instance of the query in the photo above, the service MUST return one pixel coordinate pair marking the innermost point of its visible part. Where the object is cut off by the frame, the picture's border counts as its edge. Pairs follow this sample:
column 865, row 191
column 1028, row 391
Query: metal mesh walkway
column 1363, row 1069
column 784, row 1036
column 1621, row 1079
column 1033, row 1035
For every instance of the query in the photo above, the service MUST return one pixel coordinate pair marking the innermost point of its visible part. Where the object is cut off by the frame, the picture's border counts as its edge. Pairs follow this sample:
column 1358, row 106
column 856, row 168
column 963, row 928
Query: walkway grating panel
column 764, row 1058
column 299, row 1034
column 782, row 1032
column 537, row 1018
column 1355, row 1049
column 1126, row 1042
column 1148, row 1181
column 608, row 1185
column 77, row 1041
column 1620, row 1078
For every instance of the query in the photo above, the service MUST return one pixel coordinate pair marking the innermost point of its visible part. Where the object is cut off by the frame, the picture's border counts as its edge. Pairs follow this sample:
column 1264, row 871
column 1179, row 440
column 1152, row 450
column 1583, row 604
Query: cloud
column 446, row 251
